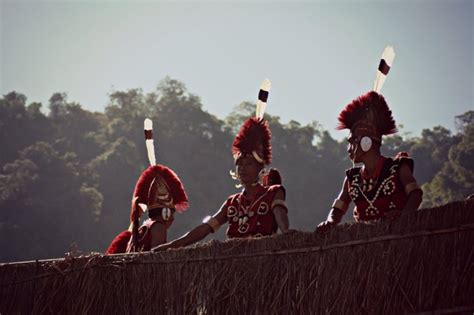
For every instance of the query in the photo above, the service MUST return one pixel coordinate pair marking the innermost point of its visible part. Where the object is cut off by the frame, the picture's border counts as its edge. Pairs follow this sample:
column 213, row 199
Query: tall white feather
column 261, row 106
column 260, row 109
column 388, row 55
column 150, row 147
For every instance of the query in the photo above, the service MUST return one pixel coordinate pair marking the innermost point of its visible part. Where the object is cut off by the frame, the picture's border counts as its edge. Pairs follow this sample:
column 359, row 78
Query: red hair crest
column 370, row 109
column 254, row 136
column 145, row 193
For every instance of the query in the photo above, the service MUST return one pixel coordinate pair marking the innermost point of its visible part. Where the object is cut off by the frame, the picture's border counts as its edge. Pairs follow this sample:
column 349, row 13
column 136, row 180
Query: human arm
column 193, row 236
column 338, row 209
column 412, row 190
column 158, row 234
column 280, row 211
column 198, row 233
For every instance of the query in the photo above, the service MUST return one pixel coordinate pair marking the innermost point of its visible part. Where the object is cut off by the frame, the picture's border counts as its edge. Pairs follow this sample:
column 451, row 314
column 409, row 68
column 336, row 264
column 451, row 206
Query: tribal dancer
column 158, row 191
column 383, row 187
column 260, row 208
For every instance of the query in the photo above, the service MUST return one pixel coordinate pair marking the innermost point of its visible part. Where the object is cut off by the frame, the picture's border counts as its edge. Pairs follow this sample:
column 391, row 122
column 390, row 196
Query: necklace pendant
column 371, row 210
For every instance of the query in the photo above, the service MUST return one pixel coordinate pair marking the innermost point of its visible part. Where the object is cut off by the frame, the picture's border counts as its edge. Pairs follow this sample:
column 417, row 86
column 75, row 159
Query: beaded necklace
column 244, row 213
column 387, row 187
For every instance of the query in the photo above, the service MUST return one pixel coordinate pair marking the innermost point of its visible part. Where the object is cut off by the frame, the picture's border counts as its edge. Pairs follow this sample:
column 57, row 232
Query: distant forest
column 67, row 177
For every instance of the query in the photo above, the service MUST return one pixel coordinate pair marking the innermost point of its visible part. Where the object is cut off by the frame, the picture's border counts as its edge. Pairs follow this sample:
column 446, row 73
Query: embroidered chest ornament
column 386, row 188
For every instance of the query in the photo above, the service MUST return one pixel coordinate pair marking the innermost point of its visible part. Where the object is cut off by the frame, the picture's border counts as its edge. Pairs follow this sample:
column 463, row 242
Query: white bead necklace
column 371, row 209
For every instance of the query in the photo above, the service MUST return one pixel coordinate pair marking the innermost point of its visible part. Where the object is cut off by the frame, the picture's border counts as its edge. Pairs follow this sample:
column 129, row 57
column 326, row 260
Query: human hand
column 161, row 247
column 324, row 227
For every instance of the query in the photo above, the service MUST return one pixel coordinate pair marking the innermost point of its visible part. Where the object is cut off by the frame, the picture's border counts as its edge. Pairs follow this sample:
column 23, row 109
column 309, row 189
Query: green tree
column 394, row 144
column 430, row 152
column 115, row 171
column 46, row 205
column 455, row 181
column 76, row 130
column 20, row 125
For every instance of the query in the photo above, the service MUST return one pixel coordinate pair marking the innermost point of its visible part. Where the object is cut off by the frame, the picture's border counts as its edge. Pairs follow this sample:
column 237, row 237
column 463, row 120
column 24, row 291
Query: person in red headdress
column 260, row 209
column 158, row 191
column 383, row 187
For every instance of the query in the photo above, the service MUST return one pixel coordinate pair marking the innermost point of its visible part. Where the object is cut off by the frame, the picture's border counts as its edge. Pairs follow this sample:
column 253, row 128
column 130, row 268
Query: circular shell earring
column 165, row 213
column 365, row 143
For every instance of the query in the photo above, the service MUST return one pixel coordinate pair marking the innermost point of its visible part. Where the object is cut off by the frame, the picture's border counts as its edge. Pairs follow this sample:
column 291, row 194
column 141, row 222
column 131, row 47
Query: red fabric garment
column 119, row 243
column 144, row 235
column 386, row 194
column 255, row 217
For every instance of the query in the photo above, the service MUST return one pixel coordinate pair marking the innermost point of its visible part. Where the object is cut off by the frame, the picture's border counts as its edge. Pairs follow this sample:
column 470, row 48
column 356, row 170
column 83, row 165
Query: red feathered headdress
column 254, row 138
column 369, row 113
column 160, row 187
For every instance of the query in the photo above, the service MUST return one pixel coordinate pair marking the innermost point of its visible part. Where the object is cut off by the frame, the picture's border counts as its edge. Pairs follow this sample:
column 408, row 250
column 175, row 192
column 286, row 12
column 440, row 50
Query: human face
column 353, row 148
column 247, row 169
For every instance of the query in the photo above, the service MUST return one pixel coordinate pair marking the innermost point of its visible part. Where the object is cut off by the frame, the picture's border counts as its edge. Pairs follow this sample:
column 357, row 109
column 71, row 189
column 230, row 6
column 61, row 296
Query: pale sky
column 319, row 55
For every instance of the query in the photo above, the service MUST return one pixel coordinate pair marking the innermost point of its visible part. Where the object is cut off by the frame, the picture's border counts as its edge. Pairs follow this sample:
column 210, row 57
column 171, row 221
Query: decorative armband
column 279, row 202
column 212, row 222
column 411, row 187
column 341, row 205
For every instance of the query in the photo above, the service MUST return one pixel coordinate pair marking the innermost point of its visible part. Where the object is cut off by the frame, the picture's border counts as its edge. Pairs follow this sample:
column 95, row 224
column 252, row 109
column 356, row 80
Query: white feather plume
column 148, row 124
column 266, row 85
column 260, row 109
column 150, row 147
column 388, row 55
column 261, row 106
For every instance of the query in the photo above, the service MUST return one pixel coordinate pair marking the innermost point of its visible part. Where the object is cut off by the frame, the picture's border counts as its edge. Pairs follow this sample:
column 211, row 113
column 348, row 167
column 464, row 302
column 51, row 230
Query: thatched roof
column 421, row 263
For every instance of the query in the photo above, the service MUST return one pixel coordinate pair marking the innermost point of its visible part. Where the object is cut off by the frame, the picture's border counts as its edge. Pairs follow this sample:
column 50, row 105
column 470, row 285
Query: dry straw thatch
column 423, row 262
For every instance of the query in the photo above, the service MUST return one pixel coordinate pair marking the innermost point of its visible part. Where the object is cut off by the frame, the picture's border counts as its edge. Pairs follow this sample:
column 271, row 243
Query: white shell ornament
column 365, row 144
